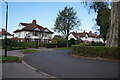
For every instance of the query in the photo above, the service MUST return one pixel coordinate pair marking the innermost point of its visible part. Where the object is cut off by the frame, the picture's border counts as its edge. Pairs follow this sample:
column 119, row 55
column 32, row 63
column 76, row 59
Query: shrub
column 13, row 44
column 96, row 51
column 97, row 44
column 71, row 41
column 51, row 45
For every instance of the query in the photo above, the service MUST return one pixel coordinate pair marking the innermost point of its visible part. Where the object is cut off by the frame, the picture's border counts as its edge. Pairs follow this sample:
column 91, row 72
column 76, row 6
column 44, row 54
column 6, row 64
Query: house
column 3, row 33
column 33, row 32
column 86, row 37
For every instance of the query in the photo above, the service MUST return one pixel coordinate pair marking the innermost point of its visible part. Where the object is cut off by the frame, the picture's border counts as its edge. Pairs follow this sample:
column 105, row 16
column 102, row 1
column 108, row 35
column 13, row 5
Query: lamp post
column 6, row 28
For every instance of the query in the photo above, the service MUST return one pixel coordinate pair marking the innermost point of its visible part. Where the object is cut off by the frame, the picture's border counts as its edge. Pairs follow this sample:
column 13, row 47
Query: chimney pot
column 34, row 22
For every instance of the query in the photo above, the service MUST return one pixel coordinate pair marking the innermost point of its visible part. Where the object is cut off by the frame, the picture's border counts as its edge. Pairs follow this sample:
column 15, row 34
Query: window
column 45, row 41
column 35, row 34
column 45, row 34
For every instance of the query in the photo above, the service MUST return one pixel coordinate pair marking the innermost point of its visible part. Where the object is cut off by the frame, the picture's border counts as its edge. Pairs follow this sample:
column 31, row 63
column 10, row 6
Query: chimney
column 90, row 32
column 84, row 31
column 34, row 22
column 3, row 30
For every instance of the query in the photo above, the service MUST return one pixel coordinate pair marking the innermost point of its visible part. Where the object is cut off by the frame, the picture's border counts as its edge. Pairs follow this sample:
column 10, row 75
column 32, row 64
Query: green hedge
column 96, row 51
column 53, row 45
column 90, row 44
column 25, row 44
column 12, row 44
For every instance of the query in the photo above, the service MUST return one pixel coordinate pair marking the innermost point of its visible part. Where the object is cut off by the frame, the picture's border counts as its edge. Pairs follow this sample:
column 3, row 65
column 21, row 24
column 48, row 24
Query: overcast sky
column 45, row 13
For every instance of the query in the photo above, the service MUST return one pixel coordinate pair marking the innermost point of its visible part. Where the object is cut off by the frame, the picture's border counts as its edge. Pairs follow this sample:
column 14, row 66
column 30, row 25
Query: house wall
column 45, row 37
column 86, row 38
column 71, row 36
column 3, row 37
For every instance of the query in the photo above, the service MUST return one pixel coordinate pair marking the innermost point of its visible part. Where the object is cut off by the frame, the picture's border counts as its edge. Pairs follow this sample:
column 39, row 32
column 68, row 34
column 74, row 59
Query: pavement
column 58, row 63
column 20, row 70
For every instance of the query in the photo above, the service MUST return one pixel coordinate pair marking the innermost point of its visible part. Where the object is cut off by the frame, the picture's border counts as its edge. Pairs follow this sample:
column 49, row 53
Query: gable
column 86, row 36
column 37, row 29
column 72, row 36
column 46, row 30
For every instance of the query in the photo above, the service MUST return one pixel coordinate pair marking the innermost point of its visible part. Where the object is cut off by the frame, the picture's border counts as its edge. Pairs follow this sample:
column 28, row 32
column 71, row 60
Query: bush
column 51, row 45
column 97, row 44
column 15, row 44
column 15, row 48
column 96, row 51
column 90, row 44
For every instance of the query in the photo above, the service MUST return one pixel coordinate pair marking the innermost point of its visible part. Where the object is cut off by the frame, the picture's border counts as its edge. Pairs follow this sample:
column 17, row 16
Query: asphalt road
column 58, row 63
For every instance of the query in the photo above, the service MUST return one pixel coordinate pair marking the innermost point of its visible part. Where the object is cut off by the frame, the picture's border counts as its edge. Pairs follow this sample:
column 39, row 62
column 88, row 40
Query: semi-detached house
column 33, row 32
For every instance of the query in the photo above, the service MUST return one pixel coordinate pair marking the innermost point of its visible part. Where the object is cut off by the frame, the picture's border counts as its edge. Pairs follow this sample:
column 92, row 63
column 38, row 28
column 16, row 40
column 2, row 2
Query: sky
column 45, row 13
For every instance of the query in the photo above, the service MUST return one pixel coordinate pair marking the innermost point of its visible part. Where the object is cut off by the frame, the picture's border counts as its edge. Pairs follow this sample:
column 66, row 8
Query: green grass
column 29, row 51
column 65, row 48
column 9, row 59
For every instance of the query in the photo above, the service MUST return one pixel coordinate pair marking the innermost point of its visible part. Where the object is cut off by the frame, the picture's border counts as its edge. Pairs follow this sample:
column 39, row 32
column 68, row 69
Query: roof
column 90, row 34
column 79, row 34
column 3, row 32
column 31, row 27
column 14, row 38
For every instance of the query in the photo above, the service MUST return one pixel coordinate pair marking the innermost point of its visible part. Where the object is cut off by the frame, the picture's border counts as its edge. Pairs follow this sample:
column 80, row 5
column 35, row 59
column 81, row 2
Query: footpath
column 20, row 70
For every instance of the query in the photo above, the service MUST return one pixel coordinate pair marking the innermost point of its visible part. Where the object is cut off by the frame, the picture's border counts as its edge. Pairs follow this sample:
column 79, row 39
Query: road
column 59, row 64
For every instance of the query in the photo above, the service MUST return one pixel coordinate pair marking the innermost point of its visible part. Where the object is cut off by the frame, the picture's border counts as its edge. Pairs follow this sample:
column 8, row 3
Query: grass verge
column 29, row 51
column 9, row 59
column 65, row 48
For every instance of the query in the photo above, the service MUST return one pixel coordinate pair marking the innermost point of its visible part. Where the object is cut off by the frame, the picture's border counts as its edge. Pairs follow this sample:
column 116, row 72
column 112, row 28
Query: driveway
column 58, row 63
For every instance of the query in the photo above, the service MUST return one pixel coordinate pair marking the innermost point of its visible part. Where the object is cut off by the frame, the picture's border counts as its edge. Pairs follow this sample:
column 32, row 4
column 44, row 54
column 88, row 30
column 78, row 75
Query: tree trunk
column 112, row 36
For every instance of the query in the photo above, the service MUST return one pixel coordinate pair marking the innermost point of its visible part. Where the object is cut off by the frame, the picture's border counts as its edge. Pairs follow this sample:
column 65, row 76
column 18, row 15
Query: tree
column 103, row 17
column 103, row 20
column 66, row 20
column 113, row 34
column 113, row 38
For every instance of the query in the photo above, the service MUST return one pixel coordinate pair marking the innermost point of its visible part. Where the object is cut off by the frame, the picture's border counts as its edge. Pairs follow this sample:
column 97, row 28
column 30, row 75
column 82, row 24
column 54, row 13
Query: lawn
column 29, row 51
column 9, row 59
column 64, row 48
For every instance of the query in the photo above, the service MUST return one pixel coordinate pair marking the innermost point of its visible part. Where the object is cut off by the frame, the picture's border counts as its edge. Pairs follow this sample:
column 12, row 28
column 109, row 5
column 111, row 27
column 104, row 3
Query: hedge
column 96, row 51
column 53, row 45
column 12, row 44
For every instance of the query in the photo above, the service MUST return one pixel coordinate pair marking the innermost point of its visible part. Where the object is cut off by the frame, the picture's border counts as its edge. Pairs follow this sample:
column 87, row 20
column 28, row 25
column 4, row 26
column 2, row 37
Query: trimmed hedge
column 25, row 44
column 96, row 51
column 15, row 48
column 13, row 43
column 53, row 45
column 90, row 44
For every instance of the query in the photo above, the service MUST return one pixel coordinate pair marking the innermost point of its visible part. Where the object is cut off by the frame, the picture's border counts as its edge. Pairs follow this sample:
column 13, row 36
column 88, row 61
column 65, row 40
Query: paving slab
column 19, row 70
